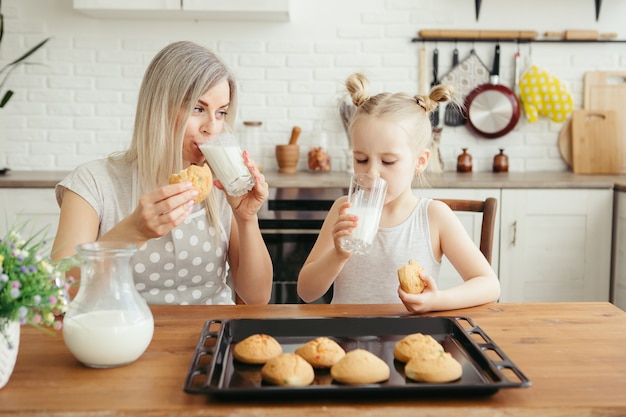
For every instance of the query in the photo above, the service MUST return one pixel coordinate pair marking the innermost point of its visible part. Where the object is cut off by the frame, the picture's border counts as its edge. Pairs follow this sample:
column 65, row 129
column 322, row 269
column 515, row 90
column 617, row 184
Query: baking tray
column 214, row 371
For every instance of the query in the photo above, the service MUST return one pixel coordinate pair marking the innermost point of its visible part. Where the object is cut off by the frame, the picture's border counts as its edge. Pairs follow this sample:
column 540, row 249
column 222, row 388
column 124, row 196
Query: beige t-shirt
column 186, row 266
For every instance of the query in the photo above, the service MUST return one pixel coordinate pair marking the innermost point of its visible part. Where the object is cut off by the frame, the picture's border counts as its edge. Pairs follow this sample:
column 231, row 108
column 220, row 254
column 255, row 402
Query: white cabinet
column 38, row 204
column 258, row 10
column 619, row 251
column 555, row 244
column 448, row 277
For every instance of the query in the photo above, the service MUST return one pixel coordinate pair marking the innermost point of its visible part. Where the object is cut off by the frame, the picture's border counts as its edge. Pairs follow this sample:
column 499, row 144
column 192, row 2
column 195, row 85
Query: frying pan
column 492, row 109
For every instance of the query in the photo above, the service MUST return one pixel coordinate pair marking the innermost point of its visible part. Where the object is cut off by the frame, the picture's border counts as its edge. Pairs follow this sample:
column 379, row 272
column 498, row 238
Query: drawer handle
column 514, row 240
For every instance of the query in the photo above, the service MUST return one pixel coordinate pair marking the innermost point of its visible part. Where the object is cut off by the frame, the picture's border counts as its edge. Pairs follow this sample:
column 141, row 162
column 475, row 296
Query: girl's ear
column 422, row 161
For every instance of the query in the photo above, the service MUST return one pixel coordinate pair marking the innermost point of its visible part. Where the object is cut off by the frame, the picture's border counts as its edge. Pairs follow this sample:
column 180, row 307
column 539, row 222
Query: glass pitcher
column 108, row 323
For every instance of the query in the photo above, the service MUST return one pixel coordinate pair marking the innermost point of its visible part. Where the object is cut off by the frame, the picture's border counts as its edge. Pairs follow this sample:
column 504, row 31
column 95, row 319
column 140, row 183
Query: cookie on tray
column 257, row 349
column 321, row 352
column 288, row 369
column 434, row 369
column 360, row 366
column 200, row 176
column 409, row 277
column 416, row 344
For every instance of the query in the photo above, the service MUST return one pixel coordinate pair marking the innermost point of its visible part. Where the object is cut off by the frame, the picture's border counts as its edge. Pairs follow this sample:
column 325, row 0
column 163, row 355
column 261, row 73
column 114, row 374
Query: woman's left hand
column 247, row 205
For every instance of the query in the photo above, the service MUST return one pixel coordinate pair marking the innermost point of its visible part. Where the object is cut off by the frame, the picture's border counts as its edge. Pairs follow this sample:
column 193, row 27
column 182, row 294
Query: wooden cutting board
column 606, row 90
column 596, row 148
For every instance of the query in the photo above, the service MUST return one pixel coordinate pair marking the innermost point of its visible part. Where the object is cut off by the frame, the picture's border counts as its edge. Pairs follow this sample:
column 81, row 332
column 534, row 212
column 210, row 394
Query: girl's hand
column 343, row 227
column 247, row 206
column 420, row 303
column 161, row 210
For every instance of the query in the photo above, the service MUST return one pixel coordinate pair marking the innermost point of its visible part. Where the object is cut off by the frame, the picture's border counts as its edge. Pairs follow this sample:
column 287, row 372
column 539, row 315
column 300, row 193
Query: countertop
column 572, row 353
column 565, row 179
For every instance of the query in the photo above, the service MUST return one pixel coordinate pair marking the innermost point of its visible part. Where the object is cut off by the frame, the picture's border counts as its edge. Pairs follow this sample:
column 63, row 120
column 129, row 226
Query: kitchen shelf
column 473, row 40
column 598, row 4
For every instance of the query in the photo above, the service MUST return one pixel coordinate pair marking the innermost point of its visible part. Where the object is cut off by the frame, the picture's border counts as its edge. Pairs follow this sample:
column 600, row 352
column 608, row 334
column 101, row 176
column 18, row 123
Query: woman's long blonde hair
column 175, row 79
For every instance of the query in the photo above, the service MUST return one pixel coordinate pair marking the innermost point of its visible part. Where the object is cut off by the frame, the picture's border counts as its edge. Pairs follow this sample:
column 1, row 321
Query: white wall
column 79, row 105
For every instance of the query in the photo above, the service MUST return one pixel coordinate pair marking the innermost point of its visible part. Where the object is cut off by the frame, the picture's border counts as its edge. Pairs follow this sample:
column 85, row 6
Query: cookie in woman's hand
column 200, row 176
column 409, row 277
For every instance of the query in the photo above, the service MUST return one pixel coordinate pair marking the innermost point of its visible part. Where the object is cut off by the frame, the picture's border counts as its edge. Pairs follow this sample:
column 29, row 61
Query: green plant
column 6, row 71
column 33, row 288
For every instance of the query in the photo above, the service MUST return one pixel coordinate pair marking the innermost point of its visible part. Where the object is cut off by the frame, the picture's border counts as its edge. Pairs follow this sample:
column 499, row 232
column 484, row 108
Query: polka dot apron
column 186, row 266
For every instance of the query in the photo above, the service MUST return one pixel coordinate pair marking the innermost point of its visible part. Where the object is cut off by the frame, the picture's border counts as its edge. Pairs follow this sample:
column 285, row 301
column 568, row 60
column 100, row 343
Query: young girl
column 390, row 134
column 188, row 253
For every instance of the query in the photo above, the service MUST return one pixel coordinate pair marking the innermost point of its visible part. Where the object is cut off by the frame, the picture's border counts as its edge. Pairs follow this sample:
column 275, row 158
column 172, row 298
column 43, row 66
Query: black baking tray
column 214, row 371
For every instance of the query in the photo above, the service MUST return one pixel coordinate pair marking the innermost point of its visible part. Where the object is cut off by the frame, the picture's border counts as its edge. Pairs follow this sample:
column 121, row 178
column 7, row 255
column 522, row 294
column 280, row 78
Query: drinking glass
column 366, row 197
column 225, row 158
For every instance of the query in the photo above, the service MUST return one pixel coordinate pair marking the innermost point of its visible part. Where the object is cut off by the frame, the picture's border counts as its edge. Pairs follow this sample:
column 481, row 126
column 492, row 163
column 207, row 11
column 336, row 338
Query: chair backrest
column 488, row 208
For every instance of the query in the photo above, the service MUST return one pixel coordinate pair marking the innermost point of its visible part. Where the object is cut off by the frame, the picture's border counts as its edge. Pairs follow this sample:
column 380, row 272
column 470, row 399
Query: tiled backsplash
column 79, row 104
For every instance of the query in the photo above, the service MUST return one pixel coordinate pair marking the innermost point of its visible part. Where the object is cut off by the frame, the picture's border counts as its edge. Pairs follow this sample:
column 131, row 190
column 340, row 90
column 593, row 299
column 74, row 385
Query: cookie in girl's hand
column 409, row 277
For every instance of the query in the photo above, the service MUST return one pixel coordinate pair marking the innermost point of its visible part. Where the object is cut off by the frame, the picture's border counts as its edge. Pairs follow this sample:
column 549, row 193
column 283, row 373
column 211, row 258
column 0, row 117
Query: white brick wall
column 79, row 105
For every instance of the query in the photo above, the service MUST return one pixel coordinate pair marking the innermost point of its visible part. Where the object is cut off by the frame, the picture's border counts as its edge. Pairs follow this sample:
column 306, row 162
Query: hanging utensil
column 493, row 109
column 453, row 115
column 434, row 115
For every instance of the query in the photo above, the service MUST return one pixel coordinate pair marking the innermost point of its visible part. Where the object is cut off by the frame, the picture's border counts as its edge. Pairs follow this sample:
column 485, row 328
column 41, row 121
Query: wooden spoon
column 295, row 133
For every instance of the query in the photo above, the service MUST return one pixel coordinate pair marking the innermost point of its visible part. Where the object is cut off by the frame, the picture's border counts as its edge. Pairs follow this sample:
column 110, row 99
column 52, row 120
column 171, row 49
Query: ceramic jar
column 464, row 162
column 501, row 162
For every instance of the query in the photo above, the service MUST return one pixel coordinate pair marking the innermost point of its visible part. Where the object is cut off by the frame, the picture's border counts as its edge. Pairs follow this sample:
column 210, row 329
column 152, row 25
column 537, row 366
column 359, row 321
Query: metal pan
column 214, row 371
column 492, row 109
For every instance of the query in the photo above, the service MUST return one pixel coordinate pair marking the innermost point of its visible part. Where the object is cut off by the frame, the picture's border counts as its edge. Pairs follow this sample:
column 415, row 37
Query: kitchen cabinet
column 265, row 10
column 38, row 204
column 448, row 277
column 618, row 291
column 555, row 244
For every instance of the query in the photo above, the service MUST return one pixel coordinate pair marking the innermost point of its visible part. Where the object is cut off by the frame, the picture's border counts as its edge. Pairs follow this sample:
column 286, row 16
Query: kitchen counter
column 564, row 179
column 573, row 354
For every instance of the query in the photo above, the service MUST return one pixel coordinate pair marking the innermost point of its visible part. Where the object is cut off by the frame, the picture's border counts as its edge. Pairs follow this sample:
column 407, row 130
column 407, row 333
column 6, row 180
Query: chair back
column 488, row 208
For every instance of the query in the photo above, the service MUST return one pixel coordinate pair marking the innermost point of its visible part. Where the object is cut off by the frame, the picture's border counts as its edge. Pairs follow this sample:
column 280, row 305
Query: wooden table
column 574, row 354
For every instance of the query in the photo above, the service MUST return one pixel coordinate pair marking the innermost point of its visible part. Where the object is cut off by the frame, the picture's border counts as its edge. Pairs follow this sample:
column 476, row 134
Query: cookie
column 288, row 369
column 257, row 349
column 201, row 178
column 440, row 368
column 321, row 352
column 409, row 277
column 360, row 366
column 416, row 344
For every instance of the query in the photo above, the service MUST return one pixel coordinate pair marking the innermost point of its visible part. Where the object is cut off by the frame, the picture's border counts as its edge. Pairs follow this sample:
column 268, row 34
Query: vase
column 8, row 353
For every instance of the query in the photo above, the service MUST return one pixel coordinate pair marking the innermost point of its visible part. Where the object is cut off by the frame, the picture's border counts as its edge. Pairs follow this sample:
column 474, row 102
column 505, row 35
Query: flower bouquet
column 33, row 289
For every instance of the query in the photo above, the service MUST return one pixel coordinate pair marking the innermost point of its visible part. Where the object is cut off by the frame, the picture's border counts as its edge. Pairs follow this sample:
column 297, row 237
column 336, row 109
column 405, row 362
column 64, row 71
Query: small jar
column 501, row 162
column 251, row 141
column 318, row 157
column 464, row 162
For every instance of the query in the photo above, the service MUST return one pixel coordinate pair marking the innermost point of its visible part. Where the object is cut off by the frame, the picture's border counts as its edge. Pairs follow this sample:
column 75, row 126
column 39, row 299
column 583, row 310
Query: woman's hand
column 161, row 210
column 247, row 206
column 423, row 302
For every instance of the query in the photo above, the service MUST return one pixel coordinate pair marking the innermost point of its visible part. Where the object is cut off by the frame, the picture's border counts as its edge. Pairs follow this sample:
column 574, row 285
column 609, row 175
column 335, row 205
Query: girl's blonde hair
column 412, row 111
column 175, row 79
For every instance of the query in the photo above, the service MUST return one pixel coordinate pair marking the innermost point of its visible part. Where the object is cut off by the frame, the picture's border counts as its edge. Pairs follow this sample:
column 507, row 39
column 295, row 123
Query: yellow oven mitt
column 544, row 95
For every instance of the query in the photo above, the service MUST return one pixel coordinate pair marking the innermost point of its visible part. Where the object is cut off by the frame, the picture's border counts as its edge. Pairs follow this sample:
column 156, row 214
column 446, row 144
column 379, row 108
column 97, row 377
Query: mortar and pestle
column 287, row 155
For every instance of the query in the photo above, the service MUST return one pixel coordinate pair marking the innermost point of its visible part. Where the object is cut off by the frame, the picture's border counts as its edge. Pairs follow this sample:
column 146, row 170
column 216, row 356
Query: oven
column 290, row 221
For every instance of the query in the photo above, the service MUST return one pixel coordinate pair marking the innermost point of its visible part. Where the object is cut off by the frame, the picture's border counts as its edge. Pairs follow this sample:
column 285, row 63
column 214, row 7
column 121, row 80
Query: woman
column 188, row 253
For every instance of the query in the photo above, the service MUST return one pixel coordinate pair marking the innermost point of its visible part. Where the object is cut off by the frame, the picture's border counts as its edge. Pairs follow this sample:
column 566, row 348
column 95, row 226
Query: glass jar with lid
column 251, row 141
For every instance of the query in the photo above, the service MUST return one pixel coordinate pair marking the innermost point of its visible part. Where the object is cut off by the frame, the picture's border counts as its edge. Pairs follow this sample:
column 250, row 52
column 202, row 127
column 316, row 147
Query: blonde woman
column 188, row 253
column 390, row 136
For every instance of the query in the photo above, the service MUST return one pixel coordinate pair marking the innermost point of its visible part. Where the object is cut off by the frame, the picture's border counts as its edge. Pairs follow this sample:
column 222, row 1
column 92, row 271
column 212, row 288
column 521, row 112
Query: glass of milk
column 225, row 158
column 367, row 198
column 108, row 323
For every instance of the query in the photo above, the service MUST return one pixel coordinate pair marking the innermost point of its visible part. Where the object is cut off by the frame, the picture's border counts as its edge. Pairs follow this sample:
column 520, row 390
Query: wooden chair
column 488, row 209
